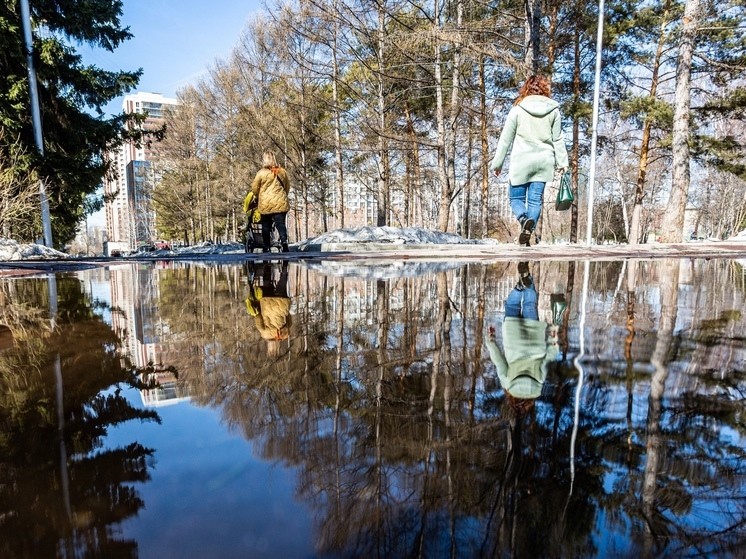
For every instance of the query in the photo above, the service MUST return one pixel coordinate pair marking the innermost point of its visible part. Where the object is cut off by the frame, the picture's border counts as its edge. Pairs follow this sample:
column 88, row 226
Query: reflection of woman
column 534, row 129
column 522, row 367
column 269, row 304
column 271, row 187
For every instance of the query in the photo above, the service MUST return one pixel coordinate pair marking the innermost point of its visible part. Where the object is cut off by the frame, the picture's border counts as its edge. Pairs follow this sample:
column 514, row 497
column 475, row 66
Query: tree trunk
column 484, row 210
column 383, row 171
column 533, row 22
column 304, row 163
column 575, row 138
column 444, row 204
column 466, row 219
column 552, row 42
column 673, row 219
column 337, row 124
column 416, row 187
column 208, row 208
column 455, row 103
column 634, row 229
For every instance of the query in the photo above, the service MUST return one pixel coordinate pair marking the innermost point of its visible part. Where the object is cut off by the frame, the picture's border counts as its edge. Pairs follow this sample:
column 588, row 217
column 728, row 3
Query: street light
column 36, row 118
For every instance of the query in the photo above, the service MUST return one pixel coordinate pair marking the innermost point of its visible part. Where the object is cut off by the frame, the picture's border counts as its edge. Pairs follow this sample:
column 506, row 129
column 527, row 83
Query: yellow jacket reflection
column 271, row 314
column 269, row 304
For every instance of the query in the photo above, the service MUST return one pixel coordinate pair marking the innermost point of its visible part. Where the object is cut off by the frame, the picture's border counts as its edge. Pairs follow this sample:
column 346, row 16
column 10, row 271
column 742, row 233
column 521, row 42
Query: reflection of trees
column 399, row 451
column 674, row 453
column 655, row 525
column 403, row 448
column 61, row 491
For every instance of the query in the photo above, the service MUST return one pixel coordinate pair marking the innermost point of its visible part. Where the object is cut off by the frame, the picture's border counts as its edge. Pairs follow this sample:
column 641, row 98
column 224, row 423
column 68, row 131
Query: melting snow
column 12, row 250
column 394, row 235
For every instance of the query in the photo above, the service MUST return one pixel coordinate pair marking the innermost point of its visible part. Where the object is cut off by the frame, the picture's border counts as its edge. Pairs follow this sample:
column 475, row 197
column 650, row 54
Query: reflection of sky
column 99, row 289
column 208, row 495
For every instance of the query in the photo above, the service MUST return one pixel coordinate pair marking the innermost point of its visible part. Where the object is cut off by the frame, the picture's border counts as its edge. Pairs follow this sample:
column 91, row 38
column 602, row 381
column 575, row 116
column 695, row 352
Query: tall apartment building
column 130, row 218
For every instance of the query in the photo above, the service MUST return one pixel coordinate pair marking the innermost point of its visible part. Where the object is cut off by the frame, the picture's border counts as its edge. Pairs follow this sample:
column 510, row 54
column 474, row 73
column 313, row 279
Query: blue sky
column 174, row 41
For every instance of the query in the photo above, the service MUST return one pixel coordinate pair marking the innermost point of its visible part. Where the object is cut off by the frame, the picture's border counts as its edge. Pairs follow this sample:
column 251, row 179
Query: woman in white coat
column 534, row 130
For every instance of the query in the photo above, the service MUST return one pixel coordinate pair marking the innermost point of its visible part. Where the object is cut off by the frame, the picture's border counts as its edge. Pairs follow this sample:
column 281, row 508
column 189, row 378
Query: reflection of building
column 360, row 205
column 169, row 391
column 146, row 337
column 142, row 180
column 130, row 218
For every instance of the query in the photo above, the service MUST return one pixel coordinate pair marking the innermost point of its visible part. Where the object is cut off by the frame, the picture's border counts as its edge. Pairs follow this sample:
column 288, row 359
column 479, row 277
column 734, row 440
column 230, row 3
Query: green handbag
column 564, row 194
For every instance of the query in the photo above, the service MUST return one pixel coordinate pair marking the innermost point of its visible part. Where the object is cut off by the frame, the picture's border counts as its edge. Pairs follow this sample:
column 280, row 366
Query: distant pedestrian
column 534, row 129
column 271, row 187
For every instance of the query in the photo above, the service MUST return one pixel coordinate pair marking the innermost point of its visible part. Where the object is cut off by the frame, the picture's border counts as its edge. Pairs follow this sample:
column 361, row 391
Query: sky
column 174, row 42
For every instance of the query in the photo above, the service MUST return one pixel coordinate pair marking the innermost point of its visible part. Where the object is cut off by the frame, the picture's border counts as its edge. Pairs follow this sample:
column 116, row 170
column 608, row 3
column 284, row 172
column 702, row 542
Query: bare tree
column 19, row 193
column 673, row 219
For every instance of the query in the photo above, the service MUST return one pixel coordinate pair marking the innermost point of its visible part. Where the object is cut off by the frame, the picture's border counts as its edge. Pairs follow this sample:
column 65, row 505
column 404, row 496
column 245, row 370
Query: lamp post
column 36, row 118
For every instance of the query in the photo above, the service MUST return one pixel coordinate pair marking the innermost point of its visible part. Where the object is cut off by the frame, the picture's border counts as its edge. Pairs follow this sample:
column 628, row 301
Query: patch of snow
column 393, row 235
column 13, row 250
column 381, row 270
column 739, row 237
column 199, row 248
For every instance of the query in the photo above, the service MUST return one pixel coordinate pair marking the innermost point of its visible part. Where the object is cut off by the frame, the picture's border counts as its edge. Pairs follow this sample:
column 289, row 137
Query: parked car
column 145, row 248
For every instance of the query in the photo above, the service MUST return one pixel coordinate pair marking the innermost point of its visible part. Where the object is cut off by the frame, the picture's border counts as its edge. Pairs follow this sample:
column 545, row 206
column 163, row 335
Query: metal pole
column 36, row 118
column 594, row 123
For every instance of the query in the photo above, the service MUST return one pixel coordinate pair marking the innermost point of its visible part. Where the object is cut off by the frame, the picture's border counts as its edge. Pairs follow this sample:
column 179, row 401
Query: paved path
column 386, row 251
column 724, row 249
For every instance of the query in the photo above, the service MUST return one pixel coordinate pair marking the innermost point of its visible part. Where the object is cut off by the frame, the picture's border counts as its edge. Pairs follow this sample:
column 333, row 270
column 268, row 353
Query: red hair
column 534, row 85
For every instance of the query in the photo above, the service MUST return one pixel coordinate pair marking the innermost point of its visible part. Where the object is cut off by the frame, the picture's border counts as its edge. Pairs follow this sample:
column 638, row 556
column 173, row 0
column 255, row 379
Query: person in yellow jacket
column 269, row 304
column 271, row 187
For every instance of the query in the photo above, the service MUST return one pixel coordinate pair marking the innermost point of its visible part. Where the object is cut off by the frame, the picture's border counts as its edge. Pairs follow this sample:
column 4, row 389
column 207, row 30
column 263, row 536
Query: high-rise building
column 130, row 218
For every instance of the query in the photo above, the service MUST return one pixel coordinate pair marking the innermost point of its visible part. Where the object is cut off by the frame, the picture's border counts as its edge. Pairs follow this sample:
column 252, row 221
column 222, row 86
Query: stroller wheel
column 249, row 244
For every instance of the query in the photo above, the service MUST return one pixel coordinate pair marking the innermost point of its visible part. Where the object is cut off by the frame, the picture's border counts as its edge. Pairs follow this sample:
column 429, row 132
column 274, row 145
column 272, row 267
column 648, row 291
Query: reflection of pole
column 581, row 374
column 36, row 117
column 59, row 393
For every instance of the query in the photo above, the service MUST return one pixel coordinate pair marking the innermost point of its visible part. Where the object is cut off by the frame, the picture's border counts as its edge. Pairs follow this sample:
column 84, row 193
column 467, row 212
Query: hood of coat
column 538, row 105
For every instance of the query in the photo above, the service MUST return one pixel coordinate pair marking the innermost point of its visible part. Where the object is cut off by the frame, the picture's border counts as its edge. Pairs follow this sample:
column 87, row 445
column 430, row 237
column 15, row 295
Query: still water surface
column 402, row 410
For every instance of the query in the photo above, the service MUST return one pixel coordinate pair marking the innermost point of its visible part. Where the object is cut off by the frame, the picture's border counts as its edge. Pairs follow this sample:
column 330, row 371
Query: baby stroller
column 253, row 228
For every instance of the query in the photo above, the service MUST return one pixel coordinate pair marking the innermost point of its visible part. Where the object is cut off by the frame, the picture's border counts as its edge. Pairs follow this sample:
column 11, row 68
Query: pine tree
column 71, row 97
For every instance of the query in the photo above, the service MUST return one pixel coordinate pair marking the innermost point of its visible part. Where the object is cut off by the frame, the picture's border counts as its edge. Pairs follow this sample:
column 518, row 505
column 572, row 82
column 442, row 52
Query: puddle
column 176, row 409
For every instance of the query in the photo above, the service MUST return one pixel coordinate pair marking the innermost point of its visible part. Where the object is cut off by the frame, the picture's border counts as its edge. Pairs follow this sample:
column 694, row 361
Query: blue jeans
column 526, row 200
column 523, row 303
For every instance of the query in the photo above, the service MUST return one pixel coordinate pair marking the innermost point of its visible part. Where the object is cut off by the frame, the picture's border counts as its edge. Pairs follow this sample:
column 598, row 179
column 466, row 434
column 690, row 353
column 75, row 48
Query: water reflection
column 268, row 302
column 529, row 344
column 61, row 489
column 431, row 411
